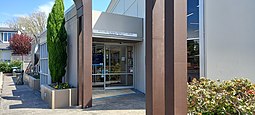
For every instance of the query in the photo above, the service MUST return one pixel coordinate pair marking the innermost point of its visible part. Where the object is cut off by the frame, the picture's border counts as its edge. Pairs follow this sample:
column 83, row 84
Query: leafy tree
column 32, row 25
column 57, row 42
column 20, row 44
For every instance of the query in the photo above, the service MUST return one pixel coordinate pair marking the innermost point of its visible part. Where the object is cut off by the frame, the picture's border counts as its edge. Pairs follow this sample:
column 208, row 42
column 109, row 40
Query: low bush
column 61, row 86
column 16, row 64
column 234, row 97
column 6, row 67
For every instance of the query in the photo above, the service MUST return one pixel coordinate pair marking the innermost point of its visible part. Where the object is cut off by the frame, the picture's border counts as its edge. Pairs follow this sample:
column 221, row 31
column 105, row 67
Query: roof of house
column 6, row 29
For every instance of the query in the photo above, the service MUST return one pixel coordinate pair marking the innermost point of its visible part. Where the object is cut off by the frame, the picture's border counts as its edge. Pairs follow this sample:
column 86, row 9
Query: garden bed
column 59, row 98
column 32, row 82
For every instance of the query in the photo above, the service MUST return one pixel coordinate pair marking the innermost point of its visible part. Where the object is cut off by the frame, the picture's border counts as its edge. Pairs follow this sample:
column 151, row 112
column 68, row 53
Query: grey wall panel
column 140, row 67
column 132, row 8
column 229, row 38
column 118, row 23
column 120, row 7
column 71, row 28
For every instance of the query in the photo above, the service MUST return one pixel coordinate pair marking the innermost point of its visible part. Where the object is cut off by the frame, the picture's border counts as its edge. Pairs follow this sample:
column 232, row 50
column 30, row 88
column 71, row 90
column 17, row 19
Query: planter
column 8, row 74
column 32, row 82
column 59, row 98
column 1, row 80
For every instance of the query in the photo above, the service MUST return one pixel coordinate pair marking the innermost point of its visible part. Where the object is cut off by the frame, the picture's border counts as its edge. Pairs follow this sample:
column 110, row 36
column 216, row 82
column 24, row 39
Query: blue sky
column 15, row 8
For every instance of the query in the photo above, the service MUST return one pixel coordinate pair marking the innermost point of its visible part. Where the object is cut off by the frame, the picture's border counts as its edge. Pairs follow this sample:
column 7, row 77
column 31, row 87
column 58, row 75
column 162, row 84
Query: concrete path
column 21, row 100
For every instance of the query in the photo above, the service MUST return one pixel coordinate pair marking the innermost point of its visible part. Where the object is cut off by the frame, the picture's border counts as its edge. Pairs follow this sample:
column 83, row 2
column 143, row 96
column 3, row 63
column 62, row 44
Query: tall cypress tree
column 57, row 42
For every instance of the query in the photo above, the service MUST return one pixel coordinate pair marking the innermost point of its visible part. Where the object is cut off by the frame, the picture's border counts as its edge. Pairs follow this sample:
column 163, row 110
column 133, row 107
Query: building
column 220, row 43
column 123, row 48
column 5, row 36
column 118, row 35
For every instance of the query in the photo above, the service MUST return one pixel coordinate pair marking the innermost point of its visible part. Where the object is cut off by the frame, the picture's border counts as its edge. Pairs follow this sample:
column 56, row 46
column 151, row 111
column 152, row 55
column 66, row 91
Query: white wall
column 229, row 38
column 5, row 55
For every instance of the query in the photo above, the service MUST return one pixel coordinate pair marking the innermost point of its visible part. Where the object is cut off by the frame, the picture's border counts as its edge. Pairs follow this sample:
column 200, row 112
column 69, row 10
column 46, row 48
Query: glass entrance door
column 112, row 66
column 119, row 66
column 98, row 77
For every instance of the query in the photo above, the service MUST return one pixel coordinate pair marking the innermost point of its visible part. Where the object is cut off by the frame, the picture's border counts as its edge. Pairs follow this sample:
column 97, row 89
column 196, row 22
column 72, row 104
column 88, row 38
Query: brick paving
column 21, row 100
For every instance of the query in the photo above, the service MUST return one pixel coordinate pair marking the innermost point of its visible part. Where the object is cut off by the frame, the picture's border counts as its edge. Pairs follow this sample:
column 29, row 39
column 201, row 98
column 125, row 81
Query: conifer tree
column 57, row 42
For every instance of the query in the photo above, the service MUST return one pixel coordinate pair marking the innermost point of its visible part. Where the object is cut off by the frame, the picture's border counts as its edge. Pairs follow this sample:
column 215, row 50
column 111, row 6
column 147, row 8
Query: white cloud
column 42, row 8
column 46, row 7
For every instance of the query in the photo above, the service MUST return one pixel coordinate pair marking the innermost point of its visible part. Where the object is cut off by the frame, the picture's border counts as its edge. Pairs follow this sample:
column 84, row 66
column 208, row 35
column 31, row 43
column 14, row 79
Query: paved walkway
column 21, row 100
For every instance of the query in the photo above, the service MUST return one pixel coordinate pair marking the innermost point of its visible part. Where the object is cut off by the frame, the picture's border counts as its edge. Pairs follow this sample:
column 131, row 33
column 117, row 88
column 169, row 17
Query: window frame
column 7, row 36
column 202, row 40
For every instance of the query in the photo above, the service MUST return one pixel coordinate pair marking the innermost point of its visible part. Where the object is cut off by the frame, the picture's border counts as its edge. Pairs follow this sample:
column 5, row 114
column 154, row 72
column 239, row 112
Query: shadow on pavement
column 24, row 97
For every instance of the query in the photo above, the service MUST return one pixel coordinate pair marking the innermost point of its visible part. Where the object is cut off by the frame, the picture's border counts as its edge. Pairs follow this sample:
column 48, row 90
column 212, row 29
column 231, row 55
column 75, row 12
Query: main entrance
column 112, row 66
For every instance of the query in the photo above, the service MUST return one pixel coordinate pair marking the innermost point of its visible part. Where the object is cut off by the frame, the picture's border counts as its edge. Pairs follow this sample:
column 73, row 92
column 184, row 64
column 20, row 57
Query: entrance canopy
column 113, row 27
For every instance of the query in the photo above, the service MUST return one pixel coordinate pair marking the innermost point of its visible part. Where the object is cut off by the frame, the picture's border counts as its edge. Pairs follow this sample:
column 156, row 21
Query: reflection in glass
column 116, row 59
column 193, row 59
column 193, row 40
column 5, row 37
column 98, row 66
column 193, row 18
column 119, row 80
column 97, row 81
column 112, row 66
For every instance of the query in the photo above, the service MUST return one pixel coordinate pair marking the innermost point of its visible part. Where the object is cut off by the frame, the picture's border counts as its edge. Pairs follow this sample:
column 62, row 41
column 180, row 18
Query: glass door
column 98, row 77
column 112, row 66
column 118, row 67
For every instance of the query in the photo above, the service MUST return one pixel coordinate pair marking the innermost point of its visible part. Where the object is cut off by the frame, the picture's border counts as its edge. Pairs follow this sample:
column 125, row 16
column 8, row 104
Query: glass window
column 5, row 37
column 9, row 36
column 193, row 64
column 193, row 18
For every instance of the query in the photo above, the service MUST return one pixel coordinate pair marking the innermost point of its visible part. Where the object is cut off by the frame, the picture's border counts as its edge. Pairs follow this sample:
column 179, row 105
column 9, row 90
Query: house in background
column 5, row 36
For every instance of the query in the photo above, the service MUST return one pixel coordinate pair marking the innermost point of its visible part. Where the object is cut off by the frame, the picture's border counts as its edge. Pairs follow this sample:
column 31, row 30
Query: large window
column 193, row 39
column 7, row 36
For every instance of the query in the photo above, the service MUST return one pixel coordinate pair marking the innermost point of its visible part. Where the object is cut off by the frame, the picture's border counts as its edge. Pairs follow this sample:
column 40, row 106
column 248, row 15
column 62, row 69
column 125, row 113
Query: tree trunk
column 22, row 62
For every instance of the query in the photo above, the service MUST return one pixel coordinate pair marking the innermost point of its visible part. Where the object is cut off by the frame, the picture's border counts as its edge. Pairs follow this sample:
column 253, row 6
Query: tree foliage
column 57, row 42
column 20, row 44
column 32, row 25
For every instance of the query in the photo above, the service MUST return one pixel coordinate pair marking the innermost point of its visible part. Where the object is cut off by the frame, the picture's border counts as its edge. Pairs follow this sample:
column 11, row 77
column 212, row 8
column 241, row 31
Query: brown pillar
column 84, row 59
column 166, row 52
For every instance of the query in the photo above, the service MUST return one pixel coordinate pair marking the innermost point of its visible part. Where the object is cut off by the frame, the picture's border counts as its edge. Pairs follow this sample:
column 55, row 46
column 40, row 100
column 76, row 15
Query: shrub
column 60, row 86
column 232, row 97
column 6, row 67
column 16, row 64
